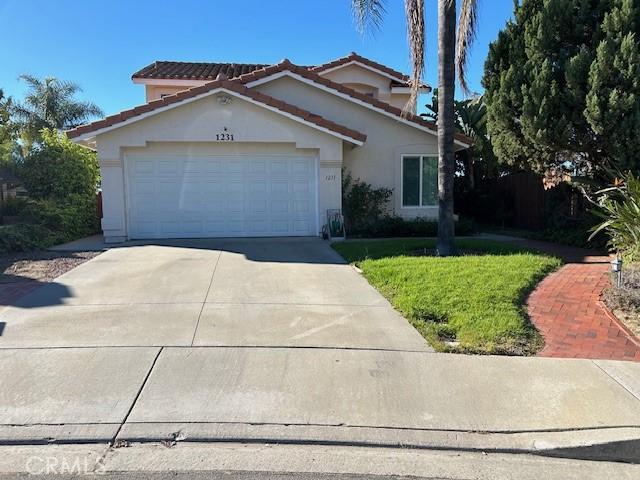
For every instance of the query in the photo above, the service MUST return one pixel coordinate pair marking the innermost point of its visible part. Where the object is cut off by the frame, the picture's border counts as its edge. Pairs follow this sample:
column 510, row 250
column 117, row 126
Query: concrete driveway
column 279, row 341
column 279, row 292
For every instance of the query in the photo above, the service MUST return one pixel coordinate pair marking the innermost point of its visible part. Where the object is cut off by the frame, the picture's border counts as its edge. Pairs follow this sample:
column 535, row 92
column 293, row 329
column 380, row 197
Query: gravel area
column 42, row 266
column 624, row 300
column 630, row 319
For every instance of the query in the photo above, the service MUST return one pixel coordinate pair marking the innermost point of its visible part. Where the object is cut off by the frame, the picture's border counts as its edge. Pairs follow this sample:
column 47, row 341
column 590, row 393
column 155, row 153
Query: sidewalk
column 556, row 407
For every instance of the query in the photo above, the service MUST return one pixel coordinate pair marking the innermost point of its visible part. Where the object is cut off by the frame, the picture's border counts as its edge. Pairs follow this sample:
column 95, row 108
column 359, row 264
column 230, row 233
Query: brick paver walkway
column 566, row 309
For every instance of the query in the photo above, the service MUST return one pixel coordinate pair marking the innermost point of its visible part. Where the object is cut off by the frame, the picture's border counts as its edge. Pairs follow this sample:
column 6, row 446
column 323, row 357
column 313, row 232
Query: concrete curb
column 38, row 434
column 617, row 444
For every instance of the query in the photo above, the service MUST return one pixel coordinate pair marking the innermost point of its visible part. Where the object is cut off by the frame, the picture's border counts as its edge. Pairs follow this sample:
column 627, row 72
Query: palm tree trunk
column 446, row 124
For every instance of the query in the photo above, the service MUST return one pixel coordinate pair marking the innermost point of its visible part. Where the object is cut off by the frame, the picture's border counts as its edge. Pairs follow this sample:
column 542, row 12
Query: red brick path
column 567, row 310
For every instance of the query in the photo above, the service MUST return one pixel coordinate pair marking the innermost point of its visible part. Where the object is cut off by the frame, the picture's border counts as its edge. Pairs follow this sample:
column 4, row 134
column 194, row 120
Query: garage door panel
column 279, row 167
column 300, row 167
column 167, row 167
column 258, row 166
column 190, row 196
column 193, row 166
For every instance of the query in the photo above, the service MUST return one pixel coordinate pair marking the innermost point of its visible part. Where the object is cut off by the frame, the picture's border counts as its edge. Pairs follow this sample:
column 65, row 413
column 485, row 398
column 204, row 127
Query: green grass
column 475, row 299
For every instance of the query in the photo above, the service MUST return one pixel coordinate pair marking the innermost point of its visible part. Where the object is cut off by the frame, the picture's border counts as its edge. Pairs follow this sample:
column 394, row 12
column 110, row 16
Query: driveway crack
column 135, row 400
column 204, row 302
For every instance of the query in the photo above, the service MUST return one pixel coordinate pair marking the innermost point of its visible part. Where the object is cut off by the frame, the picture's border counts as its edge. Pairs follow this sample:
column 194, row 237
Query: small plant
column 619, row 208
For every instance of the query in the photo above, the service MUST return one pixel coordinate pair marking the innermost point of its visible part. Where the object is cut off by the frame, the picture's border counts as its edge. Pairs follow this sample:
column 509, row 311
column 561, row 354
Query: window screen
column 411, row 181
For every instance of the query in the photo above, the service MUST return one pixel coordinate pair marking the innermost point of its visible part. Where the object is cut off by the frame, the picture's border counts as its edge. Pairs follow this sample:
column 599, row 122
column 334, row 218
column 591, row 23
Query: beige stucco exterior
column 156, row 92
column 368, row 82
column 155, row 89
column 377, row 161
column 191, row 128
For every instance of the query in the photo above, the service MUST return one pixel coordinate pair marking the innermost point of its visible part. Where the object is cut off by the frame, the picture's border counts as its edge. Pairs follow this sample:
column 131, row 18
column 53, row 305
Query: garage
column 192, row 196
column 218, row 161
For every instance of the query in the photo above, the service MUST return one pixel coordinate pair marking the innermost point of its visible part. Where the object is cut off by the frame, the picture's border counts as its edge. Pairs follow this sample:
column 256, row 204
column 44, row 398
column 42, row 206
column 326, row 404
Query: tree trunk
column 446, row 125
column 471, row 170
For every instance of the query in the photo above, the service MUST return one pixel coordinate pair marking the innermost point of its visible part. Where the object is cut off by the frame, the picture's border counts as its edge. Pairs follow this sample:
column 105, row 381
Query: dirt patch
column 41, row 266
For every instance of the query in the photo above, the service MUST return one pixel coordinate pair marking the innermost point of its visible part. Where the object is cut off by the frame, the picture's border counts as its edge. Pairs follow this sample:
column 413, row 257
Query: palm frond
column 466, row 35
column 50, row 103
column 367, row 14
column 414, row 10
column 31, row 80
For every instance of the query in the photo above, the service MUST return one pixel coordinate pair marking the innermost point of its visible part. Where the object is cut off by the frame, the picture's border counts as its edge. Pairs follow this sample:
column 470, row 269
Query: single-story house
column 251, row 150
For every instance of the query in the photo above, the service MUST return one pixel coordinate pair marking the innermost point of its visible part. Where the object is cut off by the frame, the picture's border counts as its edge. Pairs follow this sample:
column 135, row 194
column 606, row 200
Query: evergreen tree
column 613, row 100
column 559, row 78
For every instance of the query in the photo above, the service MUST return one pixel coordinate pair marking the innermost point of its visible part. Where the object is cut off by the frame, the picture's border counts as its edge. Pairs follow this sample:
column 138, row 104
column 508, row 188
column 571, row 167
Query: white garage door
column 221, row 196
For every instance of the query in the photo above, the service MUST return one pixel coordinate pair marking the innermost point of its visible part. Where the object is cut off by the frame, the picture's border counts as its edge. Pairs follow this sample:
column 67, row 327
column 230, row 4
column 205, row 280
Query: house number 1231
column 224, row 137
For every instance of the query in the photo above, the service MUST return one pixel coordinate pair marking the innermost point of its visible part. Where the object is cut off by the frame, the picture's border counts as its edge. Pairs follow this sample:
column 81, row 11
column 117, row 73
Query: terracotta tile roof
column 286, row 65
column 162, row 69
column 354, row 57
column 233, row 86
column 195, row 70
column 402, row 79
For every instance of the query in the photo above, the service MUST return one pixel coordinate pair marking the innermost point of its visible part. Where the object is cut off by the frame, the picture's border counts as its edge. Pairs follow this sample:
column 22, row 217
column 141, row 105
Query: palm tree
column 470, row 120
column 451, row 55
column 50, row 103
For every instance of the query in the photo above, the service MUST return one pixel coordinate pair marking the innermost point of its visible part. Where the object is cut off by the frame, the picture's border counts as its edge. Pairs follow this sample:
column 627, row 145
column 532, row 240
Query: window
column 419, row 180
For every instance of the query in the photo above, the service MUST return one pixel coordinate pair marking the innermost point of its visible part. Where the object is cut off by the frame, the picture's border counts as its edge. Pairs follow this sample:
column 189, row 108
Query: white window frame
column 421, row 156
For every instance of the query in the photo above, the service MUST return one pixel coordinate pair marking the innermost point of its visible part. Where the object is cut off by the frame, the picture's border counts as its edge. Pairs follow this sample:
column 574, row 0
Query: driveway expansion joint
column 621, row 384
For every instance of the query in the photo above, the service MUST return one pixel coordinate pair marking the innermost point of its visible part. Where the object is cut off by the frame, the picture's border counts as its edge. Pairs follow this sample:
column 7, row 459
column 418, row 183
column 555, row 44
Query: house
column 231, row 150
column 10, row 186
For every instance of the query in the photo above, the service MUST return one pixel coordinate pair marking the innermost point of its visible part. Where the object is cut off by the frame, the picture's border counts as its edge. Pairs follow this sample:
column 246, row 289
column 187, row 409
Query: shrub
column 362, row 204
column 57, row 168
column 12, row 206
column 61, row 178
column 394, row 226
column 72, row 218
column 24, row 237
column 619, row 208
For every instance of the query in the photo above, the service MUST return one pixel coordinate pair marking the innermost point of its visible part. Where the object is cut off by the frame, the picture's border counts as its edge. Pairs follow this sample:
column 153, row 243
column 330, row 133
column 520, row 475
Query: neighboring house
column 228, row 150
column 10, row 186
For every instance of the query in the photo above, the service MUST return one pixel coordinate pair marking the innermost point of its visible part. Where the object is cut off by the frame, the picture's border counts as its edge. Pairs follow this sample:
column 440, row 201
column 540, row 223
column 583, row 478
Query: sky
column 99, row 43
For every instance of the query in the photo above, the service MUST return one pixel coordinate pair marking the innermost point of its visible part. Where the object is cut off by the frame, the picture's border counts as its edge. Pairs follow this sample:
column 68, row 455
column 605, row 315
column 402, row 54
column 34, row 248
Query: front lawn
column 469, row 303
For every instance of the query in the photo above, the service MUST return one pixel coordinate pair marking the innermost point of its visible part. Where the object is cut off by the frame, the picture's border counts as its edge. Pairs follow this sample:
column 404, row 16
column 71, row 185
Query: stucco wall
column 356, row 74
column 378, row 160
column 194, row 126
column 155, row 92
column 366, row 81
